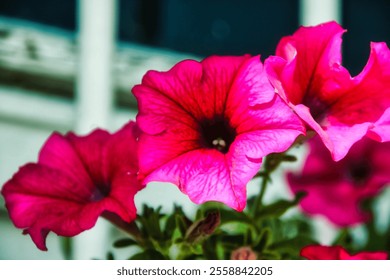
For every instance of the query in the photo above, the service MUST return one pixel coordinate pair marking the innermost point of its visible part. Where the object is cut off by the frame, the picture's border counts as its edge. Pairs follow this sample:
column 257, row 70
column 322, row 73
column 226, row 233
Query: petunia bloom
column 199, row 132
column 337, row 189
column 319, row 252
column 307, row 73
column 75, row 180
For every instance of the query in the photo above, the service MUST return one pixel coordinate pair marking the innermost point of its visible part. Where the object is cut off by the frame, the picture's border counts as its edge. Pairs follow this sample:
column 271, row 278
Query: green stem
column 259, row 199
column 130, row 228
column 67, row 247
column 271, row 163
column 342, row 237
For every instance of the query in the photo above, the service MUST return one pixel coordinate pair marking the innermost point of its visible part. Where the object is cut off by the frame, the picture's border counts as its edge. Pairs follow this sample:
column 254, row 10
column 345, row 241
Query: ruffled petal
column 90, row 149
column 337, row 137
column 156, row 150
column 40, row 199
column 307, row 74
column 180, row 108
column 58, row 153
column 121, row 166
column 251, row 81
column 204, row 175
column 189, row 92
column 270, row 116
column 46, row 196
column 379, row 131
column 311, row 53
column 368, row 97
column 343, row 137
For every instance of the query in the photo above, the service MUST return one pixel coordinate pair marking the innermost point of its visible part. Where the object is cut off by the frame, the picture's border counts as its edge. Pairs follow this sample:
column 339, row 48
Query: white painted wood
column 46, row 57
column 94, row 100
column 94, row 72
column 313, row 12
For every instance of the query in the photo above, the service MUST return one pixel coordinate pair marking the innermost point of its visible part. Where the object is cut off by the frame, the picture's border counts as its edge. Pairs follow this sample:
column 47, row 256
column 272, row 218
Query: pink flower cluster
column 337, row 190
column 205, row 127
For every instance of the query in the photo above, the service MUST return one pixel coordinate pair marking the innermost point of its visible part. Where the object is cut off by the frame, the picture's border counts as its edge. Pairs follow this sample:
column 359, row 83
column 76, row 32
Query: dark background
column 206, row 27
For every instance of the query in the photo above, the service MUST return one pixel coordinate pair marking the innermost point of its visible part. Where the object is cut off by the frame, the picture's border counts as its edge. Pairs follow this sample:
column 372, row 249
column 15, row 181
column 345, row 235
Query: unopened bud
column 203, row 228
column 243, row 253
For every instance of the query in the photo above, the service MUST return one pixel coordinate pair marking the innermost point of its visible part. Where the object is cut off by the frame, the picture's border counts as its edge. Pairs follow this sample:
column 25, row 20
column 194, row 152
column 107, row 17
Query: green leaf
column 199, row 214
column 263, row 240
column 221, row 253
column 210, row 247
column 228, row 216
column 279, row 207
column 150, row 221
column 196, row 249
column 236, row 240
column 170, row 226
column 268, row 255
column 292, row 246
column 289, row 158
column 149, row 254
column 194, row 257
column 126, row 242
column 272, row 161
column 181, row 225
column 275, row 209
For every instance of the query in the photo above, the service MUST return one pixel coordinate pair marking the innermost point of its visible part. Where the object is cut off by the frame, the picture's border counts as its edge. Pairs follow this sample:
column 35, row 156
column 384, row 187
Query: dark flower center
column 359, row 173
column 100, row 192
column 217, row 134
column 317, row 107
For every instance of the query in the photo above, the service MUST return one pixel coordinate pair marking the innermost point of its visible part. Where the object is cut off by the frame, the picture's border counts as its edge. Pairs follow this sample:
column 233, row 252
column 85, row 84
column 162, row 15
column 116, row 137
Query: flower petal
column 49, row 196
column 204, row 175
column 320, row 252
column 176, row 106
column 252, row 81
column 39, row 199
column 189, row 92
column 337, row 189
column 58, row 153
column 90, row 150
column 121, row 167
column 369, row 94
column 337, row 202
column 307, row 73
column 379, row 131
column 310, row 54
column 271, row 116
column 156, row 150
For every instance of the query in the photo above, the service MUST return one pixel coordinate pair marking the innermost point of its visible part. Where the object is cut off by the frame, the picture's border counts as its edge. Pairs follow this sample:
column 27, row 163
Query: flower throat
column 217, row 134
column 359, row 173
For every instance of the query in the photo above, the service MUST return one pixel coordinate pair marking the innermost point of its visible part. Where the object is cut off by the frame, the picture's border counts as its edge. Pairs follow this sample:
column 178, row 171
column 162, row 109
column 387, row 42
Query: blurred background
column 70, row 65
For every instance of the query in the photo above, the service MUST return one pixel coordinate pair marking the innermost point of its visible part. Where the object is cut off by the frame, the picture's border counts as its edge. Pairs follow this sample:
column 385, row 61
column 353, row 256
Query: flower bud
column 243, row 253
column 203, row 228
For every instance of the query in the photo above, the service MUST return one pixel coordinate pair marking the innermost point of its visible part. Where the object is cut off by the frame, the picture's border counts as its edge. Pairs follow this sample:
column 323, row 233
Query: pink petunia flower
column 307, row 73
column 75, row 180
column 320, row 252
column 199, row 131
column 336, row 189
